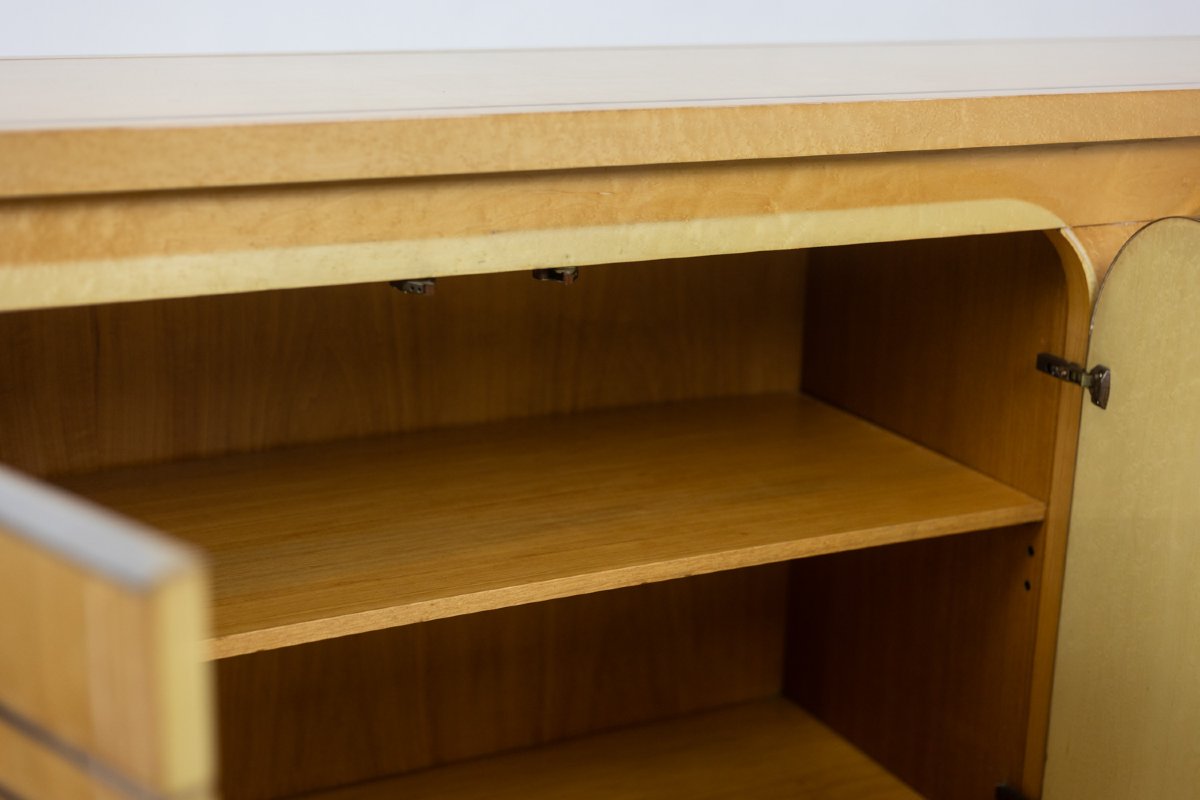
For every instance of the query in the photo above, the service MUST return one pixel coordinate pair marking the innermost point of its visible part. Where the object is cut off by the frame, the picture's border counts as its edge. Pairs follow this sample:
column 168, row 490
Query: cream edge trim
column 97, row 540
column 184, row 689
column 1068, row 238
column 74, row 283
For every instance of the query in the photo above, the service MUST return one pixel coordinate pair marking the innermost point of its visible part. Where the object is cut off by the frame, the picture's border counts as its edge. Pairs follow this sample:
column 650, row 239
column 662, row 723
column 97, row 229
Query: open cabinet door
column 1125, row 714
column 104, row 688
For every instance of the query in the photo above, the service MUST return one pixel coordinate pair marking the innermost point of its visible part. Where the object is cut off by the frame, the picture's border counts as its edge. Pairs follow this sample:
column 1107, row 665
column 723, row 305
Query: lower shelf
column 766, row 749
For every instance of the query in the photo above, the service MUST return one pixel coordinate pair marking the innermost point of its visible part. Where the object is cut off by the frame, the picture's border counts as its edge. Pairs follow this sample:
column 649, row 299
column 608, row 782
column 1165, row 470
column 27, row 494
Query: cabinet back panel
column 90, row 388
column 923, row 654
column 366, row 706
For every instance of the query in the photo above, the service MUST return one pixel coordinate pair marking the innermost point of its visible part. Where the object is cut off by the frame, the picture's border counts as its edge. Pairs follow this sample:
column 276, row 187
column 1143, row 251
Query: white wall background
column 138, row 27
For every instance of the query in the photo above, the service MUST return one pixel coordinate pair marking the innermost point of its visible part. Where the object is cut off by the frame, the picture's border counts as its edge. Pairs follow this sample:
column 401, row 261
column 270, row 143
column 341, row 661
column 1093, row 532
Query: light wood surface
column 951, row 368
column 29, row 769
column 1101, row 243
column 349, row 537
column 1125, row 712
column 919, row 654
column 96, row 249
column 768, row 749
column 103, row 634
column 934, row 657
column 950, row 361
column 355, row 708
column 103, row 125
column 42, row 93
column 87, row 389
column 1078, row 269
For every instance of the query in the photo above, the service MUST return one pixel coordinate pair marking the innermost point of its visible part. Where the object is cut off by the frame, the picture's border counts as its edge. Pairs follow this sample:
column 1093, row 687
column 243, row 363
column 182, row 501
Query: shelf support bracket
column 425, row 286
column 564, row 275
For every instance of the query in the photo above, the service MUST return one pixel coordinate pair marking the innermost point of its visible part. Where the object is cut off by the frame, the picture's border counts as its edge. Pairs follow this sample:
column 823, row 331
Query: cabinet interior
column 517, row 514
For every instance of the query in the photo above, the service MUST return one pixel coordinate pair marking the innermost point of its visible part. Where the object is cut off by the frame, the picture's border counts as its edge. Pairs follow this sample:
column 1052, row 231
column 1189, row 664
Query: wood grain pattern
column 70, row 251
column 31, row 770
column 920, row 654
column 113, row 160
column 1126, row 692
column 950, row 353
column 87, row 389
column 1079, row 296
column 951, row 329
column 962, row 627
column 106, row 666
column 1102, row 242
column 768, row 749
column 103, row 125
column 335, row 539
column 355, row 708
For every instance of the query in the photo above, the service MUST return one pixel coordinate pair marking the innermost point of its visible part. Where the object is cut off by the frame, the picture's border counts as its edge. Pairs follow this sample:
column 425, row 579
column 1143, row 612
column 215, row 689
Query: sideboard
column 681, row 423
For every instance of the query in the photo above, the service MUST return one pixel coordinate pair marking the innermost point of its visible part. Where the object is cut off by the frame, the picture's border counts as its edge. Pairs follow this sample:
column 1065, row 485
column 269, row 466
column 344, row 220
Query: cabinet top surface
column 337, row 116
column 245, row 89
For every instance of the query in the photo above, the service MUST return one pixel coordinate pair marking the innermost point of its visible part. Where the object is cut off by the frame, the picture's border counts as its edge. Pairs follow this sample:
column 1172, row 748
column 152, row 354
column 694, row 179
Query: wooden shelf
column 765, row 749
column 334, row 539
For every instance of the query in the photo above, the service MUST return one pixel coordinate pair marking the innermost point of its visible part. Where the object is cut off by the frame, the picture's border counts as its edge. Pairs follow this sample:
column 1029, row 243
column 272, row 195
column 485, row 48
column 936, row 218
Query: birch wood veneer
column 771, row 502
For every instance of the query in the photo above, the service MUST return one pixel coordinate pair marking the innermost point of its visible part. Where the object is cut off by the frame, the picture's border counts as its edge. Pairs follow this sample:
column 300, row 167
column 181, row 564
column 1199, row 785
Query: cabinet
column 769, row 502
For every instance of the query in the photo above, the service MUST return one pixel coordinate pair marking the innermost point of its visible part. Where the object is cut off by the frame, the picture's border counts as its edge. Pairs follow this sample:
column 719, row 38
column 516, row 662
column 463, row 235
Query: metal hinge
column 1097, row 380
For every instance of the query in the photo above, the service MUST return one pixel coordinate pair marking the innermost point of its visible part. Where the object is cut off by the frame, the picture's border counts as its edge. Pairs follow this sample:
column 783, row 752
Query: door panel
column 102, row 677
column 31, row 769
column 1125, row 715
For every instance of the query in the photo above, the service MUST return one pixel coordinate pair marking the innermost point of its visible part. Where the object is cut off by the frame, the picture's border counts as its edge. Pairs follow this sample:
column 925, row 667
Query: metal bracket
column 1097, row 380
column 564, row 275
column 416, row 285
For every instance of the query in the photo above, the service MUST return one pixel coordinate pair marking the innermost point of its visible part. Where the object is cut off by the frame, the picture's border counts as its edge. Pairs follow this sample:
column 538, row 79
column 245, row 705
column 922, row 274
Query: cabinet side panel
column 74, row 666
column 85, row 389
column 936, row 340
column 100, row 665
column 30, row 769
column 919, row 654
column 367, row 706
column 923, row 655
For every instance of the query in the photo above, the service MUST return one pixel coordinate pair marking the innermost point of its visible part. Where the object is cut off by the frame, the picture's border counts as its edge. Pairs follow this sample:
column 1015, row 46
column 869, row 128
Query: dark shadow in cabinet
column 360, row 707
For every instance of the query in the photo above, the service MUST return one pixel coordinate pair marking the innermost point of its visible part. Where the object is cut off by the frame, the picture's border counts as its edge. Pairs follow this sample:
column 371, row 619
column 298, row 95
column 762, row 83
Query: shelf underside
column 764, row 749
column 334, row 539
